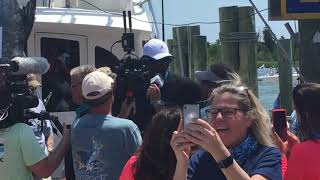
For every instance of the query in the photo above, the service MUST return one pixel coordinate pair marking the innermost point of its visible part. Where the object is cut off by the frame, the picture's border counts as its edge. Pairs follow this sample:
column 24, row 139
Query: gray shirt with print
column 101, row 145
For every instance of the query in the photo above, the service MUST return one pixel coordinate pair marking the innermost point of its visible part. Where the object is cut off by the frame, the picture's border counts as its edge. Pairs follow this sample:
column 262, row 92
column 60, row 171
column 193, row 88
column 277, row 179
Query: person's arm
column 50, row 143
column 154, row 95
column 181, row 171
column 237, row 173
column 127, row 109
column 208, row 138
column 181, row 147
column 46, row 167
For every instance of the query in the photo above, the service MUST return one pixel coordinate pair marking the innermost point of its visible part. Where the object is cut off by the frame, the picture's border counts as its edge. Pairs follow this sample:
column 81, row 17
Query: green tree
column 214, row 52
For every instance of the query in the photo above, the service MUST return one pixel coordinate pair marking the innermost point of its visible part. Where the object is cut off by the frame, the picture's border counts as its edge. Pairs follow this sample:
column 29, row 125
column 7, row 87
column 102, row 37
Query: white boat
column 271, row 73
column 83, row 34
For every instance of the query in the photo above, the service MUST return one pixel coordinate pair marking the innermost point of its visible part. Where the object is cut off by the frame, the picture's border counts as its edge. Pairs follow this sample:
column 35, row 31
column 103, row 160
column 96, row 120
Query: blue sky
column 185, row 11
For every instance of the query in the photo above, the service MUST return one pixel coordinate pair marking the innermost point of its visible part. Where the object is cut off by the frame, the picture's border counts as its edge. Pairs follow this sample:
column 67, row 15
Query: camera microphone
column 34, row 65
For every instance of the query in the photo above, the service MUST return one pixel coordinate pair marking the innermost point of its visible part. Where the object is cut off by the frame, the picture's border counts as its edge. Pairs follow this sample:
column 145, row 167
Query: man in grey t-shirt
column 101, row 143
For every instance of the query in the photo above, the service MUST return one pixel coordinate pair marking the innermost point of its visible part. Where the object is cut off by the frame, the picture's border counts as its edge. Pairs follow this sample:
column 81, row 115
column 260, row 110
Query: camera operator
column 20, row 154
column 42, row 131
column 157, row 57
column 157, row 52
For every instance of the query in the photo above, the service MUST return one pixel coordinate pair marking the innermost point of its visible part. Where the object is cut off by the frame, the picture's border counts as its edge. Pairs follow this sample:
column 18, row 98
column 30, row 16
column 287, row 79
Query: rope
column 238, row 37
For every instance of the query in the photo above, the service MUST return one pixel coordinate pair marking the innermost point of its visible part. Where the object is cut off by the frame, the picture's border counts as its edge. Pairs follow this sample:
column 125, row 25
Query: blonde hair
column 108, row 71
column 82, row 71
column 261, row 124
column 235, row 78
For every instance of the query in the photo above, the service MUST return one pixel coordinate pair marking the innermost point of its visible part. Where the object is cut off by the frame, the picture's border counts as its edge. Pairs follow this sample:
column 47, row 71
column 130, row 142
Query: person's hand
column 126, row 109
column 285, row 147
column 66, row 135
column 180, row 145
column 154, row 93
column 204, row 135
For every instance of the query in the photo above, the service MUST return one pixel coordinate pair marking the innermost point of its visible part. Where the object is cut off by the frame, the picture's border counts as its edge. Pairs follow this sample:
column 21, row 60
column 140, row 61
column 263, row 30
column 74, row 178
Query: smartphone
column 191, row 112
column 157, row 80
column 279, row 118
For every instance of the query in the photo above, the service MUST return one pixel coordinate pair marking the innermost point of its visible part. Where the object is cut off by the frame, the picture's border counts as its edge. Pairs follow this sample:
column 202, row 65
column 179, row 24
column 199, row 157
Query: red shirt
column 304, row 162
column 284, row 164
column 128, row 170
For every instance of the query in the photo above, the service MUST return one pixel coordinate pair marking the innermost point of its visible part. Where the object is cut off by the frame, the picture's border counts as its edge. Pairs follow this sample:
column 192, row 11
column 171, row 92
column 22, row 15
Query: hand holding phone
column 279, row 118
column 157, row 80
column 190, row 114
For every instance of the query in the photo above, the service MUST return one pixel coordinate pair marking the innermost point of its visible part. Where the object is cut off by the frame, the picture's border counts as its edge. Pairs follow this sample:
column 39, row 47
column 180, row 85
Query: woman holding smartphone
column 236, row 141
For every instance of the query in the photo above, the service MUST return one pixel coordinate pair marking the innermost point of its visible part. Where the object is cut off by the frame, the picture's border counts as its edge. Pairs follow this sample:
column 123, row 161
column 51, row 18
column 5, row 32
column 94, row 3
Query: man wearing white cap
column 101, row 143
column 158, row 58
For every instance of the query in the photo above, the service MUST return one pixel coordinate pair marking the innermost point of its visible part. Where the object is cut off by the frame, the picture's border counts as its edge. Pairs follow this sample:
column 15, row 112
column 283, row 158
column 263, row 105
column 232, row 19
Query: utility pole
column 285, row 75
column 68, row 4
column 248, row 47
column 229, row 24
column 163, row 30
column 310, row 49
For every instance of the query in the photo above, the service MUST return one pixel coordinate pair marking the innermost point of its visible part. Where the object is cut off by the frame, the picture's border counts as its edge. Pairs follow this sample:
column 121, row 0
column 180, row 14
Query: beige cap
column 32, row 81
column 96, row 84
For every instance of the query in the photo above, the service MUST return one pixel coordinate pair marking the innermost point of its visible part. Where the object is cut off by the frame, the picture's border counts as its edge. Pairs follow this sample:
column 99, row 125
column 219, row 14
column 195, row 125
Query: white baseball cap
column 96, row 84
column 156, row 49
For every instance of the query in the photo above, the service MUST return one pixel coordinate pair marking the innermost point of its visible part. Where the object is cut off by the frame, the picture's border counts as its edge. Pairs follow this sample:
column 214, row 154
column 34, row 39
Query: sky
column 185, row 11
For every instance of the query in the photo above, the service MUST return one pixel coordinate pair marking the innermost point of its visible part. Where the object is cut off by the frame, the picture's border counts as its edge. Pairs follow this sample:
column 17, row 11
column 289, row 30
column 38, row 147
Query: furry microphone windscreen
column 34, row 65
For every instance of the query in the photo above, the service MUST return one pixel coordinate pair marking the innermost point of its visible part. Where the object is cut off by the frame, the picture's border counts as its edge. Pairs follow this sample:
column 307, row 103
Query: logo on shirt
column 1, row 149
column 89, row 162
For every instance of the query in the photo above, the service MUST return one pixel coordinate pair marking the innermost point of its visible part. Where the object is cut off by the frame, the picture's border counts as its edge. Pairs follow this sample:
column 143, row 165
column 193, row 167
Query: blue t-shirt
column 82, row 110
column 267, row 163
column 101, row 145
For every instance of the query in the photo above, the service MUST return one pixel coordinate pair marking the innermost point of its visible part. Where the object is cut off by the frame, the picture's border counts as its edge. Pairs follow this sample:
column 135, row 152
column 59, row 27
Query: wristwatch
column 226, row 162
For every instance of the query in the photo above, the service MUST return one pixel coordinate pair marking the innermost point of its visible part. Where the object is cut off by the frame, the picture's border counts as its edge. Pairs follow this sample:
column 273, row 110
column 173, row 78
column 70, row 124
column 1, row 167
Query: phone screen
column 279, row 117
column 190, row 113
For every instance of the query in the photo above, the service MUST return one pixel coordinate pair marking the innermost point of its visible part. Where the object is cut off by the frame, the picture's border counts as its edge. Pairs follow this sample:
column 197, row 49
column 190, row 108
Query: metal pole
column 163, row 31
column 68, row 4
column 286, row 55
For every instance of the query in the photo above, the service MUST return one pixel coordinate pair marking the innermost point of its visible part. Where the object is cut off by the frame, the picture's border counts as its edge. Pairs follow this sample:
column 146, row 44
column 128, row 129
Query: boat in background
column 271, row 73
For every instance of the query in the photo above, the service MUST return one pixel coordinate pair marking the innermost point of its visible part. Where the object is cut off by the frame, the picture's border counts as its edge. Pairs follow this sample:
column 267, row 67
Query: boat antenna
column 130, row 21
column 127, row 37
column 125, row 21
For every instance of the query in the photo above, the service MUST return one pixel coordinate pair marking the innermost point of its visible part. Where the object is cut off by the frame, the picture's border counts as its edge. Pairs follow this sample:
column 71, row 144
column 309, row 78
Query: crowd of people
column 232, row 139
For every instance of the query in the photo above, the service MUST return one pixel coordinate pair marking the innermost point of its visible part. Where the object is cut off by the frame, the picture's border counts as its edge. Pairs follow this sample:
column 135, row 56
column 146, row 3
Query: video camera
column 16, row 97
column 132, row 72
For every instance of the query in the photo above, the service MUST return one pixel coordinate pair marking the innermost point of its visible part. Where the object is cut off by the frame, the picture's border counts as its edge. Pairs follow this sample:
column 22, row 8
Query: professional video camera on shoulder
column 15, row 95
column 132, row 72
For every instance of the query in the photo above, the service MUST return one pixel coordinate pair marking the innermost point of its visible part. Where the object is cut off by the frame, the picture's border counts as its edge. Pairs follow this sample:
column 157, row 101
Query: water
column 268, row 85
column 268, row 91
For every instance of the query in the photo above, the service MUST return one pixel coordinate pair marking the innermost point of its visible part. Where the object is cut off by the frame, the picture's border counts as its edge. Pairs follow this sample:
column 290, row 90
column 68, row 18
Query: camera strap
column 4, row 113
